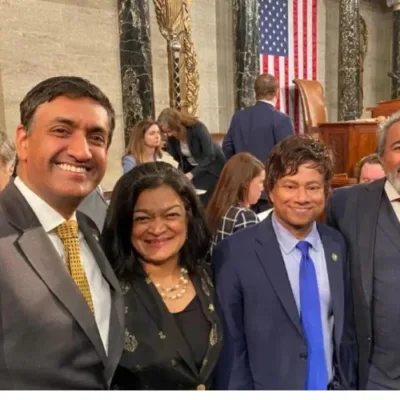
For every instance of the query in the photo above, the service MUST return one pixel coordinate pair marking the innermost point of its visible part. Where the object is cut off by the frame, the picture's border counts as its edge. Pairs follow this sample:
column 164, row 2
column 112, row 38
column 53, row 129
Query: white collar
column 391, row 192
column 47, row 216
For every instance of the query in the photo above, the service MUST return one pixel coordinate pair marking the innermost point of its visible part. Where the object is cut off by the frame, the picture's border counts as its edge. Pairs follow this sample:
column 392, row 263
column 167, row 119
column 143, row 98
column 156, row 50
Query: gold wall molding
column 174, row 22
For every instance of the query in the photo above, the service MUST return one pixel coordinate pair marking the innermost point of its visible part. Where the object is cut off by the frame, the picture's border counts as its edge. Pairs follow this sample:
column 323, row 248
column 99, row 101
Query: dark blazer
column 49, row 338
column 256, row 130
column 156, row 356
column 208, row 155
column 354, row 211
column 264, row 346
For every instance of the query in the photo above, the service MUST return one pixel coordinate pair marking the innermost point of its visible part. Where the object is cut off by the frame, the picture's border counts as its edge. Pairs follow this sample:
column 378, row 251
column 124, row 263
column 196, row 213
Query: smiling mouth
column 72, row 168
column 157, row 242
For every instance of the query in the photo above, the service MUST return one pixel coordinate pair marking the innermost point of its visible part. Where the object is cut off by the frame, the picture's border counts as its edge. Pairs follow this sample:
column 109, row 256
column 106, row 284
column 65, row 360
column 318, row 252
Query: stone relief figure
column 174, row 22
column 363, row 53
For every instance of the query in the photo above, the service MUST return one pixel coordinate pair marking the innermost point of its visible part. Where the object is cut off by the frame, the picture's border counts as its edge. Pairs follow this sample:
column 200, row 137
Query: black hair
column 116, row 235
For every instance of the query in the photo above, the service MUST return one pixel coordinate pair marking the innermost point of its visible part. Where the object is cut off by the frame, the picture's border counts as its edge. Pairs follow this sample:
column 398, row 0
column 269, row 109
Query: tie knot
column 68, row 230
column 303, row 246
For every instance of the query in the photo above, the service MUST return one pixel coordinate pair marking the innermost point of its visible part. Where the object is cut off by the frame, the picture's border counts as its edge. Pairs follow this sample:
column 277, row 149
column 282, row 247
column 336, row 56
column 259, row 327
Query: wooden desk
column 350, row 141
column 385, row 108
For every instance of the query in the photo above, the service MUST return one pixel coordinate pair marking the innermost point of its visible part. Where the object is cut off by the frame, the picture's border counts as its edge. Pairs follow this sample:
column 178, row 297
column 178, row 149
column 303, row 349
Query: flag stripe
column 314, row 13
column 288, row 47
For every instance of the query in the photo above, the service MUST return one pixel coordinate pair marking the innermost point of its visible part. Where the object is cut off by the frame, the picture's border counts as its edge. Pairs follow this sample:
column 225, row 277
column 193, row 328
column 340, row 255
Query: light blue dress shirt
column 292, row 257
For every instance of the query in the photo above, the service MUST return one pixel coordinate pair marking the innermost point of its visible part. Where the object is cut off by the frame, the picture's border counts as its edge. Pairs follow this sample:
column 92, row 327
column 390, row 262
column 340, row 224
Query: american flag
column 288, row 39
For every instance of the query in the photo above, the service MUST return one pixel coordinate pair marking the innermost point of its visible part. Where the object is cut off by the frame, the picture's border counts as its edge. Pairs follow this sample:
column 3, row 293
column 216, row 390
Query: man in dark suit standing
column 368, row 216
column 258, row 128
column 283, row 285
column 62, row 313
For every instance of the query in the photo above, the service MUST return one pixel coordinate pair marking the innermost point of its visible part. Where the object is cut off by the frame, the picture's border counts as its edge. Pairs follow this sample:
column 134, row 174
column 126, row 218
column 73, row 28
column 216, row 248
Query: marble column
column 247, row 56
column 135, row 59
column 349, row 60
column 396, row 48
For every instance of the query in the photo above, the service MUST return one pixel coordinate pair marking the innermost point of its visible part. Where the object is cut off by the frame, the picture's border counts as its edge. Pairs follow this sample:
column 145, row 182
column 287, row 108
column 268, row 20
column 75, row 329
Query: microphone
column 393, row 76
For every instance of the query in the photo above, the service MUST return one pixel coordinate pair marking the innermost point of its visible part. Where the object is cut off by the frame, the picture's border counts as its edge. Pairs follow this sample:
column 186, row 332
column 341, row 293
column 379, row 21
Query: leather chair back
column 313, row 104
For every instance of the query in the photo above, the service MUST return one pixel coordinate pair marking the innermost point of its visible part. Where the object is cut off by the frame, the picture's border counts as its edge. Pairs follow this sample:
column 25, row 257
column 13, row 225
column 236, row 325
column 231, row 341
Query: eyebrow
column 144, row 210
column 288, row 180
column 73, row 124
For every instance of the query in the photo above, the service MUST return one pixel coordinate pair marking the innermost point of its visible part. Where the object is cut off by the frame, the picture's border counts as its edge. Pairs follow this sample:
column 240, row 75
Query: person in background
column 369, row 169
column 156, row 238
column 239, row 186
column 144, row 145
column 94, row 205
column 368, row 216
column 7, row 159
column 283, row 285
column 190, row 144
column 257, row 129
column 62, row 311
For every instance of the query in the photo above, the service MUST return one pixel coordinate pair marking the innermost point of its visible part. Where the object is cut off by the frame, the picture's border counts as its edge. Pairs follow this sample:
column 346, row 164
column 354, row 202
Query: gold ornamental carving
column 363, row 53
column 174, row 22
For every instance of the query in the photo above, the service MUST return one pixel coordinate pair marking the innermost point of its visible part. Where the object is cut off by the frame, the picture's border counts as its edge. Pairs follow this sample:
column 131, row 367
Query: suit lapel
column 334, row 264
column 367, row 217
column 116, row 331
column 205, row 291
column 271, row 259
column 388, row 222
column 39, row 251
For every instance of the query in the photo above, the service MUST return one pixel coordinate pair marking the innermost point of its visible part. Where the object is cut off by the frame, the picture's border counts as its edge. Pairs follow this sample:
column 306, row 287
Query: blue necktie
column 317, row 375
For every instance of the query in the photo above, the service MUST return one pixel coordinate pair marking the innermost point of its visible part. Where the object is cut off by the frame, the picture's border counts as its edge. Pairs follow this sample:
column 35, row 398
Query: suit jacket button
column 369, row 338
column 304, row 356
column 201, row 387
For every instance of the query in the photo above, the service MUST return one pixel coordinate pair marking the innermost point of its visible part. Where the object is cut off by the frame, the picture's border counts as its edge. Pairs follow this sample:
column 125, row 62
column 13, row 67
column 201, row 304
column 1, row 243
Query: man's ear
column 21, row 142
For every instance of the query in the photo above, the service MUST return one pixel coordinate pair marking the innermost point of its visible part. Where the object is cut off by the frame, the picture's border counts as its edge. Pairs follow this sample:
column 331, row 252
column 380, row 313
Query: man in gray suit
column 95, row 207
column 368, row 216
column 62, row 314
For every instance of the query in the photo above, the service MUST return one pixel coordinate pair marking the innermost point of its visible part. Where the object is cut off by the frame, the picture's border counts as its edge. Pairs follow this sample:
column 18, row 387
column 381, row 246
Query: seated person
column 239, row 186
column 369, row 169
column 144, row 145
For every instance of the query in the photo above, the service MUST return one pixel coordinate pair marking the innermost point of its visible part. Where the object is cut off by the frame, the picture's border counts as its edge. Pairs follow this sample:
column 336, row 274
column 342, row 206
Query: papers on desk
column 264, row 214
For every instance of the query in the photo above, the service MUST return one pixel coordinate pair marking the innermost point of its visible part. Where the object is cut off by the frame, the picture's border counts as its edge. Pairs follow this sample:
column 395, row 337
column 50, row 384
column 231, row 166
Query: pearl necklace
column 177, row 291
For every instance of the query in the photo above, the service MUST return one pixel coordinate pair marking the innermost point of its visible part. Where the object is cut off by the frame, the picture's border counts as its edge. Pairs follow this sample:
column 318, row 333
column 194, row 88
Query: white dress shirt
column 99, row 288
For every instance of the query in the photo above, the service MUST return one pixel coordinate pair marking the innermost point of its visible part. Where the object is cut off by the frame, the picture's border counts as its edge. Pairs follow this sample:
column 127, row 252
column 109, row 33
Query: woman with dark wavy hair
column 156, row 238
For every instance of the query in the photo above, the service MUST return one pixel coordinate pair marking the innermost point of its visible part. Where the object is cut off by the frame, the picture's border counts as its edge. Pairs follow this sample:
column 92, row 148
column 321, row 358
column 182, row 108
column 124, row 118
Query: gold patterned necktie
column 68, row 233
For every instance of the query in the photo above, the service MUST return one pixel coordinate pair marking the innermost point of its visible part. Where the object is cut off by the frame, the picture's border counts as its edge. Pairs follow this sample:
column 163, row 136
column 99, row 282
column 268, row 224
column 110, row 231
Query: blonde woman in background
column 144, row 145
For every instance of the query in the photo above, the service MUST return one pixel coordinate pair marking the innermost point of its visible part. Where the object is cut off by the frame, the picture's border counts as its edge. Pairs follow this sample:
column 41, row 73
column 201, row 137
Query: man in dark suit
column 257, row 129
column 368, row 216
column 283, row 285
column 62, row 313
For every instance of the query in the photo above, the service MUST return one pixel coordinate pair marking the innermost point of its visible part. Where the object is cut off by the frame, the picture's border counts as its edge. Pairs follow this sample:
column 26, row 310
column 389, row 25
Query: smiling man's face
column 64, row 155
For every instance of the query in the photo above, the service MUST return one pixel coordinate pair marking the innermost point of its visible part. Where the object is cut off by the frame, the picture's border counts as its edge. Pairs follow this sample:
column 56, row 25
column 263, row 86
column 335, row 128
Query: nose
column 301, row 195
column 78, row 146
column 156, row 227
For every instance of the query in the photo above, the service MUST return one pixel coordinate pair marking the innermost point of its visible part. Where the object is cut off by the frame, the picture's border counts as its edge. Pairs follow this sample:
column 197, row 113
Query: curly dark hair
column 288, row 155
column 116, row 235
